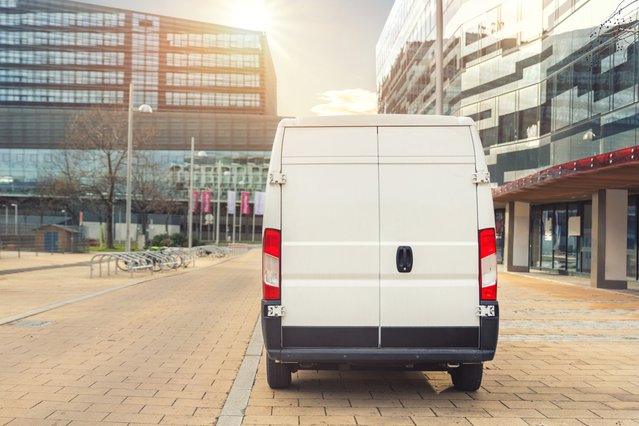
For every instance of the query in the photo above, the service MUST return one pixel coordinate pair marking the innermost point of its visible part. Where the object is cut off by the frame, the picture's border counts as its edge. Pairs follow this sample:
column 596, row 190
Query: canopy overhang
column 575, row 180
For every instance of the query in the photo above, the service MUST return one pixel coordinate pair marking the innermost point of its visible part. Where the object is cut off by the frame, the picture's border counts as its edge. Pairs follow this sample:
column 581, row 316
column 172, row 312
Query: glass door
column 585, row 254
column 559, row 241
column 574, row 237
column 535, row 237
column 547, row 220
column 500, row 220
column 633, row 204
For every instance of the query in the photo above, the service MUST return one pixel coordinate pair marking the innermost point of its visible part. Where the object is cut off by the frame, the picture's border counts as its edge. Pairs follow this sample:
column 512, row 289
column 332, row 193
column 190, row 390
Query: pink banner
column 206, row 201
column 196, row 200
column 246, row 207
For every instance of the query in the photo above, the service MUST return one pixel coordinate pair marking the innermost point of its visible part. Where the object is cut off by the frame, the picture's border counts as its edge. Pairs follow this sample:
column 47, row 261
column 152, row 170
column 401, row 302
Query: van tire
column 278, row 376
column 467, row 377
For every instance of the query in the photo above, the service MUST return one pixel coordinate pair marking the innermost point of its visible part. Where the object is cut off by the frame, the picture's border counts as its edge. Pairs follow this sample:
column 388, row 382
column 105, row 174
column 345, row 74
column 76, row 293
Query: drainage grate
column 30, row 323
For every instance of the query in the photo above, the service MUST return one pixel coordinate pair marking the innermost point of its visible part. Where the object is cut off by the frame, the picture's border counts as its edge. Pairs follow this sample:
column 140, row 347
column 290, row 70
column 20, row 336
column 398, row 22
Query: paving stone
column 170, row 360
column 533, row 381
column 498, row 421
column 113, row 358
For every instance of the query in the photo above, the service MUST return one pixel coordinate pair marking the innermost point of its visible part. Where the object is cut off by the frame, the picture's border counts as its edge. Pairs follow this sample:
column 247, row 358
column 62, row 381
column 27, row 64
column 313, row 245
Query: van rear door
column 330, row 237
column 428, row 202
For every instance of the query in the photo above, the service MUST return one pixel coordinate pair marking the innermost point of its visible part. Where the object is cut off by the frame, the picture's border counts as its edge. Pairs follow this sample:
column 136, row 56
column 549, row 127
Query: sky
column 323, row 50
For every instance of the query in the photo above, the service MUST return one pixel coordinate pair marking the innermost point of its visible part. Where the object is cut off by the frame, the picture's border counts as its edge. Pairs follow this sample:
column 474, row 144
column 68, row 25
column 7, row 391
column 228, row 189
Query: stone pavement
column 568, row 355
column 14, row 260
column 163, row 352
column 166, row 351
column 51, row 279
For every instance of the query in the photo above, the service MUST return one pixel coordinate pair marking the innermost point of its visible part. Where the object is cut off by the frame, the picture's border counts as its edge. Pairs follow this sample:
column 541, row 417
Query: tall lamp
column 200, row 154
column 129, row 167
column 15, row 206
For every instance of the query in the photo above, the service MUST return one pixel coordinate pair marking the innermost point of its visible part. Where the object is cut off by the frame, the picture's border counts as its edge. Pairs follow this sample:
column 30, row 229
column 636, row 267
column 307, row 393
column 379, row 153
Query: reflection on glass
column 500, row 220
column 632, row 238
column 547, row 238
column 560, row 235
column 586, row 250
column 574, row 235
column 535, row 238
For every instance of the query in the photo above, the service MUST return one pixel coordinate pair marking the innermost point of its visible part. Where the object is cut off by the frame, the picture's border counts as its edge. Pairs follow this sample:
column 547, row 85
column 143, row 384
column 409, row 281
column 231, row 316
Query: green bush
column 162, row 240
column 173, row 240
column 179, row 240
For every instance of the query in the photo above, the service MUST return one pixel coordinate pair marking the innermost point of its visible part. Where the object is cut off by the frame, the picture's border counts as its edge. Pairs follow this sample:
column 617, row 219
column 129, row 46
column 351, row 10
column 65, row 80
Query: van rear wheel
column 278, row 376
column 467, row 377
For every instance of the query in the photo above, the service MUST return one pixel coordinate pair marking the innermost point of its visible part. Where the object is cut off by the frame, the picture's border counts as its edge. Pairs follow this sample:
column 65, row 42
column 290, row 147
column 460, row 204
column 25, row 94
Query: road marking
column 46, row 308
column 235, row 406
column 36, row 311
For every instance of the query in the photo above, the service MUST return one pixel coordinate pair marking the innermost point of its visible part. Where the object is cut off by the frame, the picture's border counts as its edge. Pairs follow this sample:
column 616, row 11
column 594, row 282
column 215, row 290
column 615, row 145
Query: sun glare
column 250, row 14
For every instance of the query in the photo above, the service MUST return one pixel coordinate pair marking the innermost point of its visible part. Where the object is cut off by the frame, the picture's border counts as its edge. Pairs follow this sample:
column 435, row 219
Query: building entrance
column 560, row 237
column 633, row 237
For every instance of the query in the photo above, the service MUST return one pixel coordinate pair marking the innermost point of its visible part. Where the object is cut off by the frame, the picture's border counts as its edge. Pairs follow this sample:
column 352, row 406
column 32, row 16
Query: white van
column 379, row 247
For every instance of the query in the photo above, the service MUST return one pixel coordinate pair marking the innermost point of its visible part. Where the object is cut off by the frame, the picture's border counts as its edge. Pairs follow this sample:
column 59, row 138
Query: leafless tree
column 152, row 191
column 92, row 166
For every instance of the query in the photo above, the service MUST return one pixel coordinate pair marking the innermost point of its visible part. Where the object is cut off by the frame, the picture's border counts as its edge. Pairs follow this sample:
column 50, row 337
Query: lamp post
column 15, row 206
column 6, row 219
column 234, row 204
column 129, row 167
column 65, row 216
column 219, row 199
column 200, row 154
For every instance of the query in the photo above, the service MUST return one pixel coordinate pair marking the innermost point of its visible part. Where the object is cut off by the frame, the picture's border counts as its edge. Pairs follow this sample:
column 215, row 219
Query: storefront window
column 560, row 237
column 633, row 204
column 546, row 238
column 500, row 220
column 574, row 236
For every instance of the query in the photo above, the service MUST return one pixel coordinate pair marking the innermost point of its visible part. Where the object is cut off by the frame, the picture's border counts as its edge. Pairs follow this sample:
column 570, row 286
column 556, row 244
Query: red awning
column 576, row 180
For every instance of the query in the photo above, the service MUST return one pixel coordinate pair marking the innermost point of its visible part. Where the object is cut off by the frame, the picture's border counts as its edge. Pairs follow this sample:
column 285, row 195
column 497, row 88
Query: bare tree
column 151, row 190
column 92, row 165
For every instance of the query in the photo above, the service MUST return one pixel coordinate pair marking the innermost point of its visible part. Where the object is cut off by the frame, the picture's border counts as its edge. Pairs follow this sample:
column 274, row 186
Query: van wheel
column 278, row 376
column 467, row 377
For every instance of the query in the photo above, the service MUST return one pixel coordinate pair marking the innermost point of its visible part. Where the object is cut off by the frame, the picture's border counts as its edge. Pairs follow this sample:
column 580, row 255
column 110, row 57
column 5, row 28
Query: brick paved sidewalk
column 567, row 355
column 163, row 352
column 21, row 292
column 10, row 260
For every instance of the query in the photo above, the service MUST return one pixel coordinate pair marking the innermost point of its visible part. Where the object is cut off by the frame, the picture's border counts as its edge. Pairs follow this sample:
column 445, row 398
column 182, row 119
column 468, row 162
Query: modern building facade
column 549, row 83
column 215, row 83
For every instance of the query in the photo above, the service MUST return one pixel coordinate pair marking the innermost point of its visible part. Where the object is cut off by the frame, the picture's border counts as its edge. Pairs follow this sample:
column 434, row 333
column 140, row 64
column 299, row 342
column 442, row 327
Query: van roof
column 377, row 120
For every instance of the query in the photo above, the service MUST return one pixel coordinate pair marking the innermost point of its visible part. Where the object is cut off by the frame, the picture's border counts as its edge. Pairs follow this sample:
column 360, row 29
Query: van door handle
column 404, row 259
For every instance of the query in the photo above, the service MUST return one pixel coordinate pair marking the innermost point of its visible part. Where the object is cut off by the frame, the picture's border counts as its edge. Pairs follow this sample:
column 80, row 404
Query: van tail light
column 487, row 264
column 271, row 249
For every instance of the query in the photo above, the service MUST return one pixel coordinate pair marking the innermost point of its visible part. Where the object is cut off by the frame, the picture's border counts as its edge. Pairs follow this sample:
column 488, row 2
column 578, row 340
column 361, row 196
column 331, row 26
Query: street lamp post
column 129, row 167
column 219, row 199
column 15, row 206
column 65, row 216
column 200, row 154
column 234, row 210
column 6, row 219
column 190, row 216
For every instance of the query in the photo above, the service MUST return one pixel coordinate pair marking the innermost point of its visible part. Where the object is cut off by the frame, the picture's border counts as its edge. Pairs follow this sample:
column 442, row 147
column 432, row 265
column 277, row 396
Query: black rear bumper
column 400, row 356
column 333, row 345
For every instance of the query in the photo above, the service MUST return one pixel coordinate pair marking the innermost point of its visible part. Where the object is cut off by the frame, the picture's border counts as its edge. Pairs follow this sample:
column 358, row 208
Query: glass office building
column 546, row 81
column 59, row 58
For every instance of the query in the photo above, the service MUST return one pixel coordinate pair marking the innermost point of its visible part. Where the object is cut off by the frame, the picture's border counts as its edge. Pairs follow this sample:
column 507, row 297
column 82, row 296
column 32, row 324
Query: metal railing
column 159, row 260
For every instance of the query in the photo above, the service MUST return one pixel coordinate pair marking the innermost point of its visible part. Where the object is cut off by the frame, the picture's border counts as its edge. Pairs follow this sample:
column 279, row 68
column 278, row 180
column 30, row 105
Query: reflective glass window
column 507, row 118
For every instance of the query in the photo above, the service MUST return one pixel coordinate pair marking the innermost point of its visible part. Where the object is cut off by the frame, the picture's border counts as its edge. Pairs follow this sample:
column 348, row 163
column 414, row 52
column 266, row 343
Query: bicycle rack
column 166, row 259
